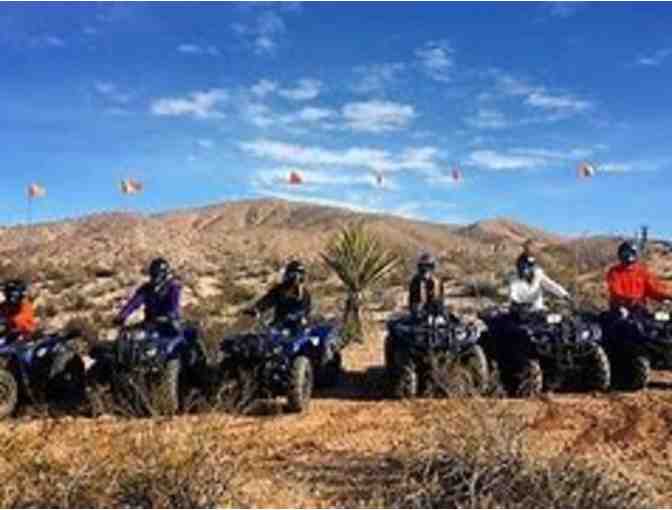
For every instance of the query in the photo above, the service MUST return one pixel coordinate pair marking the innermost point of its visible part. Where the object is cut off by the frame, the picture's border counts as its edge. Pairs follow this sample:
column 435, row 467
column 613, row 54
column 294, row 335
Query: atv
column 40, row 370
column 637, row 340
column 536, row 350
column 279, row 360
column 151, row 367
column 423, row 354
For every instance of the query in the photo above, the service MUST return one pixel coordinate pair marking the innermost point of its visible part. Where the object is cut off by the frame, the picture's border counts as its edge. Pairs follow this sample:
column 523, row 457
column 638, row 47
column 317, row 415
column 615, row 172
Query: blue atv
column 429, row 353
column 279, row 360
column 636, row 341
column 151, row 366
column 38, row 371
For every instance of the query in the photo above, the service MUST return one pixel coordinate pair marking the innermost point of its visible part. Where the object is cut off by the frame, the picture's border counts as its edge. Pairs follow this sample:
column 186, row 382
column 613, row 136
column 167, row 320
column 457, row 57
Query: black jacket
column 285, row 300
column 422, row 292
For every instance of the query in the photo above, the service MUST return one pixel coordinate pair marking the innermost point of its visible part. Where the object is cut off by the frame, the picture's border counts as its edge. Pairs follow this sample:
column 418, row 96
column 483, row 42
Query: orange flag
column 36, row 191
column 585, row 170
column 295, row 178
column 131, row 187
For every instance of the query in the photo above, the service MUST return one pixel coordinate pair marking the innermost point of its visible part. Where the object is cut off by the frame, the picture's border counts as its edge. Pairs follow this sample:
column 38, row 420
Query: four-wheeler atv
column 537, row 350
column 424, row 354
column 287, row 360
column 151, row 367
column 636, row 341
column 40, row 370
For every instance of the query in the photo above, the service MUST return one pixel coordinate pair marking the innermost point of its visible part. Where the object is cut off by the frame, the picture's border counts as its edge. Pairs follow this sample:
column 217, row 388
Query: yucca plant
column 360, row 261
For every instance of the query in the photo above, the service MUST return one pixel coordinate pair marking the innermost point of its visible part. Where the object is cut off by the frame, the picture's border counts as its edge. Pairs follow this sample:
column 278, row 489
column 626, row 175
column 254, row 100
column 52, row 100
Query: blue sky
column 207, row 102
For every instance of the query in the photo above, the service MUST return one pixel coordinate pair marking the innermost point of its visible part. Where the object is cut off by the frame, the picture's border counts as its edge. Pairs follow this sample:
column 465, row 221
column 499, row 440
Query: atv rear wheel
column 389, row 353
column 330, row 374
column 300, row 385
column 531, row 379
column 165, row 393
column 236, row 390
column 9, row 393
column 638, row 372
column 597, row 372
column 404, row 380
column 69, row 382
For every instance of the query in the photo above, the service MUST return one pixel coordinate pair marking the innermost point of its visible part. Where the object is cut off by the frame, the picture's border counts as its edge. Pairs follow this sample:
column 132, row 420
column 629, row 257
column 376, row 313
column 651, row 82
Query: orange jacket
column 634, row 284
column 20, row 319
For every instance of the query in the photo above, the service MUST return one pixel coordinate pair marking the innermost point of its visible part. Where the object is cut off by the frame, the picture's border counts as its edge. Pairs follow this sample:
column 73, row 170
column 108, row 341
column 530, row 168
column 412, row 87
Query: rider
column 630, row 283
column 160, row 297
column 288, row 297
column 424, row 288
column 527, row 287
column 17, row 311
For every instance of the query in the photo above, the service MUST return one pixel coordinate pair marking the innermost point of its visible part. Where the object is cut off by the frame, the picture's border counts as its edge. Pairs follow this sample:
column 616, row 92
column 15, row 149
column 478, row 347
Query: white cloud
column 554, row 154
column 377, row 116
column 263, row 87
column 112, row 92
column 558, row 103
column 308, row 114
column 258, row 114
column 556, row 106
column 205, row 143
column 263, row 33
column 488, row 118
column 376, row 77
column 436, row 58
column 305, row 90
column 195, row 49
column 616, row 168
column 493, row 160
column 200, row 104
column 560, row 9
column 416, row 158
column 656, row 59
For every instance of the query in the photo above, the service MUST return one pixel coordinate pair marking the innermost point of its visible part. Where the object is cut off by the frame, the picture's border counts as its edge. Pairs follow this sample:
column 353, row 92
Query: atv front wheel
column 476, row 365
column 165, row 393
column 9, row 393
column 68, row 382
column 531, row 379
column 597, row 372
column 300, row 385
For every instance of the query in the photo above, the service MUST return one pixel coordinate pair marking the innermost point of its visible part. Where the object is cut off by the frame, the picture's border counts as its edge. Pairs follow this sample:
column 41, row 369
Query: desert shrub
column 232, row 293
column 486, row 462
column 146, row 470
column 483, row 288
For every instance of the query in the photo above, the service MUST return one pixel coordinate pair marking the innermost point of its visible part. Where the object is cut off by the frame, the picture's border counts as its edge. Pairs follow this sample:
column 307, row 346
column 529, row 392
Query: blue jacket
column 162, row 304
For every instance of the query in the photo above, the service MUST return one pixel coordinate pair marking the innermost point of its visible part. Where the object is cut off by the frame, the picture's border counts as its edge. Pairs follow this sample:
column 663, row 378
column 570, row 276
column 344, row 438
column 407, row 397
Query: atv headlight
column 151, row 352
column 461, row 335
column 553, row 318
column 285, row 332
column 662, row 316
column 41, row 352
column 585, row 334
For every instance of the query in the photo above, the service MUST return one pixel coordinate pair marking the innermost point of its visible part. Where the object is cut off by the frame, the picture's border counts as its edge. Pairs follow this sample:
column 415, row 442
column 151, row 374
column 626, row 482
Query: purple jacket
column 157, row 304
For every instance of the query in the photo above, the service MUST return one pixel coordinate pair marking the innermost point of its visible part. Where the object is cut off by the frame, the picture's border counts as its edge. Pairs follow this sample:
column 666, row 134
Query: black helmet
column 159, row 272
column 525, row 265
column 628, row 253
column 426, row 263
column 14, row 291
column 294, row 272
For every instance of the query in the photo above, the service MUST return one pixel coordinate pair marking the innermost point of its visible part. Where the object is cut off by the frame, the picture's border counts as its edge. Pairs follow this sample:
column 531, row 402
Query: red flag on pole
column 456, row 175
column 585, row 170
column 36, row 191
column 131, row 187
column 295, row 178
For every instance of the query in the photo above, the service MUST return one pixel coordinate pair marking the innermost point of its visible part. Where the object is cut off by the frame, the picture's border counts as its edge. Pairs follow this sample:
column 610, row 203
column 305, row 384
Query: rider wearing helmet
column 16, row 311
column 630, row 283
column 424, row 288
column 528, row 286
column 288, row 297
column 160, row 297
